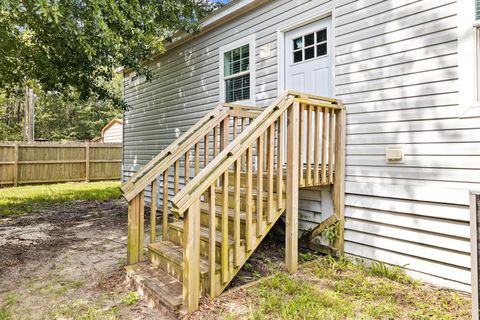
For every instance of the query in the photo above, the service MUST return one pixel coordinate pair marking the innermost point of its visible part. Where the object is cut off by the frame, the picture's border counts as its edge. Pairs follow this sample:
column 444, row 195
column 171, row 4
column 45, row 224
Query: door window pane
column 298, row 43
column 321, row 49
column 309, row 53
column 309, row 39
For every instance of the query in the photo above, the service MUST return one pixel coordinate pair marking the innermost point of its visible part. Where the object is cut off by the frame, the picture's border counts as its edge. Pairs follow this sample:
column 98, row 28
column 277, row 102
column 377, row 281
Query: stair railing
column 314, row 129
column 177, row 165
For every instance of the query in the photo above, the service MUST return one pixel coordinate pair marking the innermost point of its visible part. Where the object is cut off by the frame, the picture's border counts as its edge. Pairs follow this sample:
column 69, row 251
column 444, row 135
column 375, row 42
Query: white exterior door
column 308, row 62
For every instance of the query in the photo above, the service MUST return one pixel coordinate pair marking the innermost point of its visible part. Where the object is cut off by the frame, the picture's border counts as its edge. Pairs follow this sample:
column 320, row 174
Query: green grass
column 328, row 288
column 24, row 199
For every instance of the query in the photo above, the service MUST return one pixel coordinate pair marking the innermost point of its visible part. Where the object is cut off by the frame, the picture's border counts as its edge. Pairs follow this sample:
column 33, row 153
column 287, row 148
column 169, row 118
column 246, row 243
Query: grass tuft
column 25, row 199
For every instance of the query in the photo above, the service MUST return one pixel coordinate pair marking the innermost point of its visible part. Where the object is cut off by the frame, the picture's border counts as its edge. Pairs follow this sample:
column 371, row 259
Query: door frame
column 315, row 14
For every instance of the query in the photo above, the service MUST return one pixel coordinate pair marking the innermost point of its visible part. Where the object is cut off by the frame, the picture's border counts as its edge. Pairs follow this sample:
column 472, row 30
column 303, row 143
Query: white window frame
column 250, row 40
column 468, row 59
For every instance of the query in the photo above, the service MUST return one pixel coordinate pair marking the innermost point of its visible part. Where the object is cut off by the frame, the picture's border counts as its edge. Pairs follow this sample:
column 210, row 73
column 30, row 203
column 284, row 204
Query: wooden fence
column 40, row 162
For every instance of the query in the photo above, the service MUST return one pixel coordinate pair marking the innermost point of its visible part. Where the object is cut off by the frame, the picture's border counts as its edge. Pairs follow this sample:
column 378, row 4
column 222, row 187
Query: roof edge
column 210, row 22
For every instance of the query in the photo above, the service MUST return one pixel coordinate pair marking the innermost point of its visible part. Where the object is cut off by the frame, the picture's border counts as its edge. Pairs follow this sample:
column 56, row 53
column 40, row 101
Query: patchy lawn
column 26, row 198
column 338, row 289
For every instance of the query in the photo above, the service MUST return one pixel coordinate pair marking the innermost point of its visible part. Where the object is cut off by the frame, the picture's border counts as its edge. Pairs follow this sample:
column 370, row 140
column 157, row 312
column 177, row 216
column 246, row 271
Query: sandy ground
column 65, row 261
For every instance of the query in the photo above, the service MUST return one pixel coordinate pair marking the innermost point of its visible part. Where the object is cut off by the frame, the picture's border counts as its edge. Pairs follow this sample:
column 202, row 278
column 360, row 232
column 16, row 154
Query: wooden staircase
column 224, row 184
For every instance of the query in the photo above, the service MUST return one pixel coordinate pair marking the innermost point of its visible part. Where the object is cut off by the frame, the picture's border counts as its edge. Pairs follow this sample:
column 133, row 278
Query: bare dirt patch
column 66, row 261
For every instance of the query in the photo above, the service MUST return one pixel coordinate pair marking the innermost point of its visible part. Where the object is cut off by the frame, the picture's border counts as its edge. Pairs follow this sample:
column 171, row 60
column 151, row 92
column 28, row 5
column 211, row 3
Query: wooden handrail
column 140, row 180
column 230, row 154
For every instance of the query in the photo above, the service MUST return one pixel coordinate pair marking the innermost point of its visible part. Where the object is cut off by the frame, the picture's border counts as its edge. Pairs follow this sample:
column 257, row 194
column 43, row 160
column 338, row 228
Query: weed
column 331, row 232
column 395, row 273
column 131, row 298
column 306, row 256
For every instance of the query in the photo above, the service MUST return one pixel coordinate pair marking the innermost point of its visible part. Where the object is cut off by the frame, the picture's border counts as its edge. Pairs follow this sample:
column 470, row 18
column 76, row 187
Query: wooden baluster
column 206, row 156
column 215, row 142
column 153, row 212
column 176, row 178
column 270, row 164
column 187, row 167
column 224, row 133
column 291, row 223
column 331, row 144
column 249, row 200
column 300, row 153
column 324, row 146
column 308, row 180
column 165, row 206
column 235, row 127
column 206, row 146
column 260, row 226
column 197, row 158
column 211, row 240
column 316, row 173
column 224, row 227
column 244, row 120
column 191, row 257
column 236, row 214
column 280, row 162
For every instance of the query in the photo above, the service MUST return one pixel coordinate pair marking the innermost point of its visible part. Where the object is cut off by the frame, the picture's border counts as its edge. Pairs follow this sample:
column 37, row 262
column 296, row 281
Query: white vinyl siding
column 113, row 134
column 396, row 70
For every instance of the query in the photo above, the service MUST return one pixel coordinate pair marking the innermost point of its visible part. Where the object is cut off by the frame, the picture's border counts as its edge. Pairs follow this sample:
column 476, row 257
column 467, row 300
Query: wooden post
column 291, row 228
column 191, row 257
column 132, row 235
column 87, row 161
column 339, row 176
column 153, row 212
column 15, row 165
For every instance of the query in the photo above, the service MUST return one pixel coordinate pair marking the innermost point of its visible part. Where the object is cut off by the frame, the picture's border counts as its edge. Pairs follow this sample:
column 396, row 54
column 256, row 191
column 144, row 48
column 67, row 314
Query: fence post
column 87, row 161
column 15, row 164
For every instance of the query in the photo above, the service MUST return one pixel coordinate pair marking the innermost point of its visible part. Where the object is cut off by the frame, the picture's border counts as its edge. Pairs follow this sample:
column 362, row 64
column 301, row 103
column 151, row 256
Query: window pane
column 309, row 53
column 244, row 64
column 321, row 49
column 322, row 35
column 297, row 43
column 309, row 39
column 297, row 56
column 237, row 88
column 236, row 60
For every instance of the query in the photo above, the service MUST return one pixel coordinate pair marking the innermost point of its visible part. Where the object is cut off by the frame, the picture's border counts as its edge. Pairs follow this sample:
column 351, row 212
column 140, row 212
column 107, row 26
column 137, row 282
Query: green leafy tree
column 65, row 45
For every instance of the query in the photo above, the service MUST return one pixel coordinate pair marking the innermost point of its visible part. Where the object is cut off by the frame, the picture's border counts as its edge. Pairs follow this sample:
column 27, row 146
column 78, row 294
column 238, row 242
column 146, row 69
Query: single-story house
column 407, row 74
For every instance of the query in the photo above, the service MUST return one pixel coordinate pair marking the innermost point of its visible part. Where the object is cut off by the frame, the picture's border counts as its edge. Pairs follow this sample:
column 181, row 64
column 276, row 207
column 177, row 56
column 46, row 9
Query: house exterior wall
column 113, row 134
column 395, row 68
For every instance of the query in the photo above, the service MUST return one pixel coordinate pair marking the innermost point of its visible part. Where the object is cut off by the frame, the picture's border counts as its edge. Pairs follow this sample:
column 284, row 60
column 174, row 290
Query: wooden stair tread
column 174, row 253
column 205, row 207
column 157, row 283
column 204, row 233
